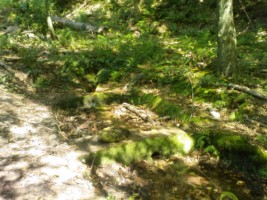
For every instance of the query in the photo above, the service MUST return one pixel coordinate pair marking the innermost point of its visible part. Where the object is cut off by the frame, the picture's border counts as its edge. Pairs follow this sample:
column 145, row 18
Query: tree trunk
column 75, row 25
column 49, row 21
column 226, row 53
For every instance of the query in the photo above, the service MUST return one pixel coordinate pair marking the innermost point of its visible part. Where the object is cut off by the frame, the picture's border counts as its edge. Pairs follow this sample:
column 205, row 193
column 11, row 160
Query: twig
column 192, row 90
column 244, row 9
column 59, row 129
column 92, row 165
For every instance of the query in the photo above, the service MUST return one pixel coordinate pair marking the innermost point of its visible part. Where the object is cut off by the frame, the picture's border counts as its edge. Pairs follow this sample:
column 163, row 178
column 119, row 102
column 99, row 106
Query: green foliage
column 233, row 143
column 69, row 103
column 262, row 140
column 263, row 172
column 103, row 76
column 6, row 3
column 29, row 55
column 42, row 82
column 6, row 78
column 227, row 195
column 212, row 150
column 161, row 106
column 186, row 11
column 110, row 197
column 203, row 141
column 4, row 43
column 67, row 37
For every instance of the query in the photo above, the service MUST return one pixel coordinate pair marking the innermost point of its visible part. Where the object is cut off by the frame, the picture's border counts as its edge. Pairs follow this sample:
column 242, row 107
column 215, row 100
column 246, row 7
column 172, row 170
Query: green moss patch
column 113, row 134
column 98, row 99
column 69, row 102
column 230, row 144
column 160, row 106
column 154, row 102
column 128, row 153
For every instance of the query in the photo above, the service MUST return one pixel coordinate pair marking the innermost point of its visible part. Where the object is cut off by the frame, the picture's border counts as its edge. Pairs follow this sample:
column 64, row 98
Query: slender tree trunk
column 49, row 21
column 226, row 53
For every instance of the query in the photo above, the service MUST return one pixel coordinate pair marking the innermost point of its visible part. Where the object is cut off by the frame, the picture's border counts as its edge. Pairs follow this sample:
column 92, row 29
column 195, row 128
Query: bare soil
column 34, row 162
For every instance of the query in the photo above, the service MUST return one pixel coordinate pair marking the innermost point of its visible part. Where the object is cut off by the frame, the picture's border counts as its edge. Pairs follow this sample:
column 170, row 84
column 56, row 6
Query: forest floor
column 40, row 157
column 34, row 163
column 44, row 133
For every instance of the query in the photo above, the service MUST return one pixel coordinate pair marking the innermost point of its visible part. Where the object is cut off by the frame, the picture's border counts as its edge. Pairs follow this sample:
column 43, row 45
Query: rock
column 113, row 134
column 163, row 141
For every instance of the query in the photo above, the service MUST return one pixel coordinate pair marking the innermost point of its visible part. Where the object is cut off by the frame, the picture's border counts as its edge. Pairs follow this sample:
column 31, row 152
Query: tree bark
column 49, row 21
column 226, row 53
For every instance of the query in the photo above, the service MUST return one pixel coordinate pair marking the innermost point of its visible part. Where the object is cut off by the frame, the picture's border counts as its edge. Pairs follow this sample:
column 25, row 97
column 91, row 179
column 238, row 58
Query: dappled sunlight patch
column 159, row 58
column 196, row 180
column 262, row 35
column 34, row 163
column 21, row 131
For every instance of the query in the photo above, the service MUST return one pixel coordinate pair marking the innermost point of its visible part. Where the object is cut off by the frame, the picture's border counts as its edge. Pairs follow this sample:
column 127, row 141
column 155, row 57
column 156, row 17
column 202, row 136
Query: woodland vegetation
column 149, row 82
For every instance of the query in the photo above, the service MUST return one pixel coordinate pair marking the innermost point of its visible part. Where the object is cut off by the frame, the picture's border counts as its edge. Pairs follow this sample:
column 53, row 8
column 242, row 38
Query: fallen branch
column 260, row 124
column 76, row 25
column 136, row 111
column 248, row 91
column 245, row 11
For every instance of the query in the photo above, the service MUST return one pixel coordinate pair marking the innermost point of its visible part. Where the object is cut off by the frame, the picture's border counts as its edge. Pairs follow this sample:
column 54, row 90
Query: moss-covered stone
column 232, row 142
column 98, row 99
column 113, row 134
column 133, row 151
column 239, row 145
column 69, row 102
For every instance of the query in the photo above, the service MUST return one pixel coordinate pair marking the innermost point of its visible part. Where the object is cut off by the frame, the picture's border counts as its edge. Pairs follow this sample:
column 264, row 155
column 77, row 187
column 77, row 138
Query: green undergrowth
column 143, row 149
column 233, row 147
column 151, row 101
column 161, row 106
column 162, row 44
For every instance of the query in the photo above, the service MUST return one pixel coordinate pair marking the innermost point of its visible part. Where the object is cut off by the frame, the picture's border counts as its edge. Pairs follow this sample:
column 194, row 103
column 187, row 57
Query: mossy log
column 176, row 141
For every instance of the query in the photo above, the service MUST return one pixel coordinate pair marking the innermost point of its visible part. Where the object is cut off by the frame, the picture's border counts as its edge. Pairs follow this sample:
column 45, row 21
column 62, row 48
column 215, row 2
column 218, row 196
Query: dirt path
column 34, row 163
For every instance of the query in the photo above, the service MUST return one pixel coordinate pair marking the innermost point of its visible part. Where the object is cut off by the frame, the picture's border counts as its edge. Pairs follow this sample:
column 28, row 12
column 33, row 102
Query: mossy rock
column 239, row 145
column 98, row 99
column 69, row 102
column 176, row 141
column 232, row 142
column 113, row 134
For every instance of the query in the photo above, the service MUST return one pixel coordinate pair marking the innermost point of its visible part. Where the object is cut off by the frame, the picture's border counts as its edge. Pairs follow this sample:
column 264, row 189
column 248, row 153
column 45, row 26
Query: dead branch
column 63, row 134
column 76, row 25
column 136, row 111
column 248, row 91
